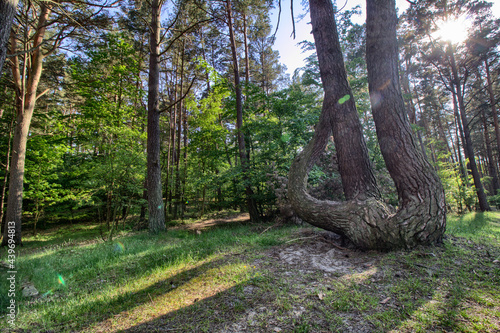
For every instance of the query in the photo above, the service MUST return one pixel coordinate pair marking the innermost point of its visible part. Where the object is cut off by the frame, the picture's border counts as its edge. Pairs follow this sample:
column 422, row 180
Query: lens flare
column 344, row 99
column 61, row 279
column 453, row 30
column 119, row 247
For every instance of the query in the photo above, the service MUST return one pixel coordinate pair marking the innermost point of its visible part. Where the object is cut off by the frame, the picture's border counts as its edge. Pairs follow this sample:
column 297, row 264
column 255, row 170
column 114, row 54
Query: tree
column 251, row 205
column 155, row 199
column 363, row 218
column 26, row 67
column 8, row 10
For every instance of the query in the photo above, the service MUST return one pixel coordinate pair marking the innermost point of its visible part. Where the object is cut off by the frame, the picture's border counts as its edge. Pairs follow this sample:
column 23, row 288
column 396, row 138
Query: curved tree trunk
column 422, row 211
column 364, row 218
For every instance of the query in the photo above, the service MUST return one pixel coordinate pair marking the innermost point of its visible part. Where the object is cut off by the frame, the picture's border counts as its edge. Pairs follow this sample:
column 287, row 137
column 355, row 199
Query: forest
column 154, row 138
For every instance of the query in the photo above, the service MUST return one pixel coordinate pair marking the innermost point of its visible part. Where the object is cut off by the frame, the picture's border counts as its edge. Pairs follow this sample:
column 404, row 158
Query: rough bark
column 251, row 205
column 8, row 10
column 156, row 217
column 364, row 218
column 422, row 211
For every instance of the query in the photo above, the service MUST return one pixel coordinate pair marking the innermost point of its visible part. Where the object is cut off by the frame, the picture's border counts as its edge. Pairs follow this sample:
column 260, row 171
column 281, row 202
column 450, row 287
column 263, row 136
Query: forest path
column 212, row 222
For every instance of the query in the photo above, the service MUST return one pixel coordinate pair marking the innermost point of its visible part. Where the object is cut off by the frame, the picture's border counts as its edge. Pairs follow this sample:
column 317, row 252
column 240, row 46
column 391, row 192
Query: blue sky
column 290, row 53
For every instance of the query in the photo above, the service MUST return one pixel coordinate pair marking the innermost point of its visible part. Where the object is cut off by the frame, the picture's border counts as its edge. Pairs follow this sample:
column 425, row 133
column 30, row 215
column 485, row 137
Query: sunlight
column 453, row 30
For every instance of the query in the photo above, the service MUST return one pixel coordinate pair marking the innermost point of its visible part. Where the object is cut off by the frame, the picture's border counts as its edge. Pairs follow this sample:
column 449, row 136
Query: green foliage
column 460, row 194
column 43, row 170
column 109, row 126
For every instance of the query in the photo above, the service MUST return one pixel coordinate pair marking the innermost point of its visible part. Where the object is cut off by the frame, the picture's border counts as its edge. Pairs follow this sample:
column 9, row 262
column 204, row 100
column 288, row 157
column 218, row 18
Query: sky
column 290, row 53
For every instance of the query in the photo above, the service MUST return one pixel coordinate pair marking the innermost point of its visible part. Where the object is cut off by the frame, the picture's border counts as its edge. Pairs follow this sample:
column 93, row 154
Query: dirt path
column 242, row 217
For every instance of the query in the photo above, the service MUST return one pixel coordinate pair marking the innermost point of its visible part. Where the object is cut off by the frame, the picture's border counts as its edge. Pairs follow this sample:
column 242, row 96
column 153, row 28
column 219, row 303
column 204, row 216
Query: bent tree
column 367, row 221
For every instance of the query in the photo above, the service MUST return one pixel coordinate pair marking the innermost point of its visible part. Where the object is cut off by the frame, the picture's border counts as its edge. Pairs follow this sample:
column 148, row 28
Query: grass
column 235, row 277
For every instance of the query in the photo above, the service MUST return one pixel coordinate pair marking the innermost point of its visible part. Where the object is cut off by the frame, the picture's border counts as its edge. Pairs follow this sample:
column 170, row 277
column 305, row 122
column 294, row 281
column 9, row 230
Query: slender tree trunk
column 8, row 10
column 251, row 205
column 493, row 108
column 155, row 200
column 483, row 202
column 247, row 60
column 492, row 170
column 177, row 188
column 25, row 105
column 411, row 107
column 6, row 176
column 184, row 175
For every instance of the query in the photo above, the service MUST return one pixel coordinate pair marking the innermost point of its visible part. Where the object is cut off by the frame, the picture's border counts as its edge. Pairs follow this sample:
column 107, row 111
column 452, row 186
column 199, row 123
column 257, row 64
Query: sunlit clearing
column 454, row 31
column 175, row 294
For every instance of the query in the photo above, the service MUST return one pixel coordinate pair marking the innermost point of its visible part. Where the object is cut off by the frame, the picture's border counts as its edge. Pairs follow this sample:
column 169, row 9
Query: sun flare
column 454, row 31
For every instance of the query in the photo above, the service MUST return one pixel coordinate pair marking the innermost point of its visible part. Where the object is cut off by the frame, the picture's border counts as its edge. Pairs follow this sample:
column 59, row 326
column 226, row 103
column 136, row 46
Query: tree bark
column 8, row 10
column 155, row 201
column 364, row 218
column 422, row 210
column 25, row 105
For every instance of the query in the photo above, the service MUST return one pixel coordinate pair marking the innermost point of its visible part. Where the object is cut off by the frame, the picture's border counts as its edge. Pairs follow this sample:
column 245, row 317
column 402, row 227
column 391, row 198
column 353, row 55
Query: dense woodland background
column 86, row 150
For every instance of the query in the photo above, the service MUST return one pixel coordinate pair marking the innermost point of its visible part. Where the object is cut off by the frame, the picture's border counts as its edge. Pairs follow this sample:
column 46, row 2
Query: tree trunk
column 492, row 170
column 155, row 200
column 483, row 202
column 364, row 218
column 251, row 205
column 8, row 10
column 25, row 105
column 184, row 175
column 493, row 108
column 177, row 188
column 6, row 176
column 422, row 209
column 247, row 61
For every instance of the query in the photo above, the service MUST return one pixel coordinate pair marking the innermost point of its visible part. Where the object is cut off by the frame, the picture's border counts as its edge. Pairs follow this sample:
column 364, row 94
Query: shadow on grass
column 84, row 315
column 432, row 296
column 143, row 255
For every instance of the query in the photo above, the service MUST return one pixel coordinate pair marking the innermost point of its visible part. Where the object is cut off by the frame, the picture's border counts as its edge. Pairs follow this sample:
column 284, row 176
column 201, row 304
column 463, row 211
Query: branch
column 180, row 99
column 279, row 17
column 171, row 25
column 293, row 20
column 43, row 93
column 181, row 34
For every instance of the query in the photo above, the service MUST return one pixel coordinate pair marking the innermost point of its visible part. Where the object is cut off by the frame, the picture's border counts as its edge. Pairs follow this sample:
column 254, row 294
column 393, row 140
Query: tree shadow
column 433, row 296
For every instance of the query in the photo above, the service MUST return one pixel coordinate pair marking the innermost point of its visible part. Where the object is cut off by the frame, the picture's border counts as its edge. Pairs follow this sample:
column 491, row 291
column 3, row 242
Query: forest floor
column 230, row 275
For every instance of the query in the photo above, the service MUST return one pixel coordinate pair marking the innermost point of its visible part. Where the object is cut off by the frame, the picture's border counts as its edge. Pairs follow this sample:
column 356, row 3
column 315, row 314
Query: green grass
column 231, row 277
column 92, row 280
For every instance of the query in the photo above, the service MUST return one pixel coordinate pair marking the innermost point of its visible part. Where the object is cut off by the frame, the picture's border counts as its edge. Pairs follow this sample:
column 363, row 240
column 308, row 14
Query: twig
column 301, row 238
column 337, row 246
